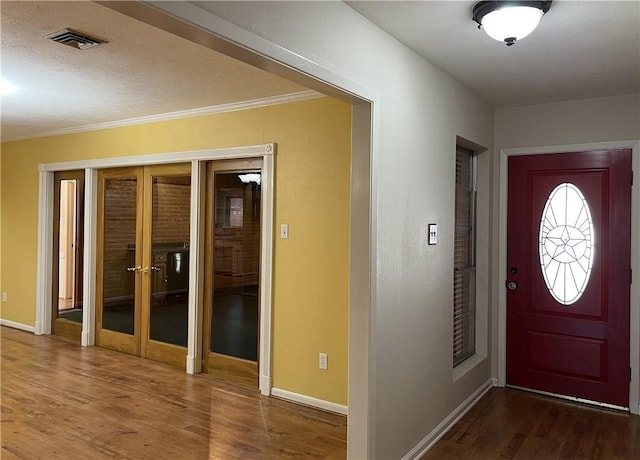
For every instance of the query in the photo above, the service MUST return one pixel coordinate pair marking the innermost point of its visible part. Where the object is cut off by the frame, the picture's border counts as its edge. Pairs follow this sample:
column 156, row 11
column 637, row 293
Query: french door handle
column 143, row 269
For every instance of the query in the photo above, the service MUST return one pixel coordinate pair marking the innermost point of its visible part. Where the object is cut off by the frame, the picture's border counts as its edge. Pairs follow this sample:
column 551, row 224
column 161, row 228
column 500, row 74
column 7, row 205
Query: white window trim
column 196, row 262
column 500, row 279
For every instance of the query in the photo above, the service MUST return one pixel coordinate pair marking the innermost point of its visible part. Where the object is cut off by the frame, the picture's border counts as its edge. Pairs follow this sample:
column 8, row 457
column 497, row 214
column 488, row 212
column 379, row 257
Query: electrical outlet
column 322, row 361
column 4, row 296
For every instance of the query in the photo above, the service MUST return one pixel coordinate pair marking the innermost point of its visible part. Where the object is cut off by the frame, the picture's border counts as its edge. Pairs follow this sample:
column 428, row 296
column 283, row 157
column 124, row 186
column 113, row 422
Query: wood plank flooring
column 60, row 400
column 511, row 424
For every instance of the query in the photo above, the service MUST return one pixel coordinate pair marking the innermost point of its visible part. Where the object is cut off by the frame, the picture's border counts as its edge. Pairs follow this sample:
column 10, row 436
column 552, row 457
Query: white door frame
column 196, row 247
column 634, row 145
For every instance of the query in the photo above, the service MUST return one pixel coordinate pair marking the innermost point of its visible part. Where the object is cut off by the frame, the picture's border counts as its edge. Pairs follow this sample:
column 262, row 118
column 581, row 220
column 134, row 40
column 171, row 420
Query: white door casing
column 196, row 260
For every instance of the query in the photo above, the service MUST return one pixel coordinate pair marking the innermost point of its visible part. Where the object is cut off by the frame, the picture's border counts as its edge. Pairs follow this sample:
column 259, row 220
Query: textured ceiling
column 141, row 71
column 581, row 49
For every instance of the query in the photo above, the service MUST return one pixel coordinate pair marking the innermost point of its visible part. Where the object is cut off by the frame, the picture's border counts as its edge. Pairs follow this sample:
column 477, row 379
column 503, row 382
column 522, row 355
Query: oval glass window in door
column 566, row 243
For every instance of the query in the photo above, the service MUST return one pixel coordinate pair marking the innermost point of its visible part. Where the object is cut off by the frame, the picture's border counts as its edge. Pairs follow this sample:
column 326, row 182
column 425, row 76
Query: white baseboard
column 309, row 401
column 494, row 381
column 438, row 432
column 13, row 324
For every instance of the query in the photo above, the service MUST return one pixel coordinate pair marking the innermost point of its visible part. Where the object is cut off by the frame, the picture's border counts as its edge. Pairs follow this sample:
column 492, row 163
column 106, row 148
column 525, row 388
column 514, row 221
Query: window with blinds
column 464, row 263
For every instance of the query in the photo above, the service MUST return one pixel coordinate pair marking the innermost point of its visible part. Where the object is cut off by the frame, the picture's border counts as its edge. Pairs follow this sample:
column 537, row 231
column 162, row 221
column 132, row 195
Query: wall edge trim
column 450, row 420
column 15, row 325
column 310, row 401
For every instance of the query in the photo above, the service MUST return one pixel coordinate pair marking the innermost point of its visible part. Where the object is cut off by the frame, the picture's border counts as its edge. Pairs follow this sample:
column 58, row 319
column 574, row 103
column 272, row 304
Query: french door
column 568, row 279
column 143, row 261
column 232, row 270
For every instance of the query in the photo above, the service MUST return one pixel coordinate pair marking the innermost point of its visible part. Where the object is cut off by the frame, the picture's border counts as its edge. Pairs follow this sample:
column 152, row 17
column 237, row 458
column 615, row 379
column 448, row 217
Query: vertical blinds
column 464, row 270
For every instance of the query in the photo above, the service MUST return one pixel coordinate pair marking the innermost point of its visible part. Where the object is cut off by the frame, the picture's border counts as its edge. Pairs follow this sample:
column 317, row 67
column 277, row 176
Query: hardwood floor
column 60, row 400
column 511, row 424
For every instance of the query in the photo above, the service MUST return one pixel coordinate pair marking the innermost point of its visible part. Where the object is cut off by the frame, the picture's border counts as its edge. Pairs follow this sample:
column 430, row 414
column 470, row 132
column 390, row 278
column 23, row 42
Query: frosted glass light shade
column 511, row 22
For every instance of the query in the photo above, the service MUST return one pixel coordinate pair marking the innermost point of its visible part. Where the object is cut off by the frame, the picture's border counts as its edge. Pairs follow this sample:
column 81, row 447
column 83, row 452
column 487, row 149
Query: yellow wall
column 310, row 309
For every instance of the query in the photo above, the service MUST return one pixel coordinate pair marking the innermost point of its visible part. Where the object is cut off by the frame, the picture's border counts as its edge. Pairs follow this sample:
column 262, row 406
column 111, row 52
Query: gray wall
column 417, row 116
column 571, row 122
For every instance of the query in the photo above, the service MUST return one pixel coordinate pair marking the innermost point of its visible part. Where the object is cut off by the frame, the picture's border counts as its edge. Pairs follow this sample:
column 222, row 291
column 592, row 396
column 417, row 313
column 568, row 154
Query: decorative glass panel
column 566, row 243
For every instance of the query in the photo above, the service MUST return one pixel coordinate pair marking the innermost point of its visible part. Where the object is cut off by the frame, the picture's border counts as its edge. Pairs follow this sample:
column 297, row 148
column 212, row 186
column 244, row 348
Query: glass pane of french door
column 236, row 264
column 119, row 254
column 169, row 259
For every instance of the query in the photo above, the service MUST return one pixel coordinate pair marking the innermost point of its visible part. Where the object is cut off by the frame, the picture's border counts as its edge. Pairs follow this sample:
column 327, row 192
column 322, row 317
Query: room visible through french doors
column 68, row 246
column 143, row 261
column 232, row 270
column 568, row 274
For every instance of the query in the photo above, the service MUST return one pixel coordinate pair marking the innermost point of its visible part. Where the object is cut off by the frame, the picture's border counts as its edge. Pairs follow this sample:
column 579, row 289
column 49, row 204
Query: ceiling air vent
column 74, row 39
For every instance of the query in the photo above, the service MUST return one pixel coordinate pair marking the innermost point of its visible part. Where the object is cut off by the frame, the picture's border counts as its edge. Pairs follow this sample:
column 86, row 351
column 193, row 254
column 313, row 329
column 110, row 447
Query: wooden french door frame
column 150, row 348
column 140, row 343
column 198, row 160
column 229, row 368
column 104, row 337
column 501, row 255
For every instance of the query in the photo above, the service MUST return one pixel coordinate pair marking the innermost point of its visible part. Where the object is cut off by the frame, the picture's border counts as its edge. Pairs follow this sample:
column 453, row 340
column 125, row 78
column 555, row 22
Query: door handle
column 512, row 285
column 134, row 269
column 145, row 270
column 155, row 269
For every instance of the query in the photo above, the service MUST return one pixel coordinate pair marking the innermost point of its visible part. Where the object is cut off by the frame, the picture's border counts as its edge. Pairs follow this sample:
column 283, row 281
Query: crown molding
column 198, row 112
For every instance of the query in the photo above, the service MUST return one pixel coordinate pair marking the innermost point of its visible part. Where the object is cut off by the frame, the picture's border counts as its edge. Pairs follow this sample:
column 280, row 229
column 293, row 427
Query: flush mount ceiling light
column 508, row 21
column 248, row 178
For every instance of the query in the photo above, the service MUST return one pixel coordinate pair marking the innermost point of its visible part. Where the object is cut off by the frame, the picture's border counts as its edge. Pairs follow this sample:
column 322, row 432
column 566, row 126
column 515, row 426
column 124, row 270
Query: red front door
column 568, row 274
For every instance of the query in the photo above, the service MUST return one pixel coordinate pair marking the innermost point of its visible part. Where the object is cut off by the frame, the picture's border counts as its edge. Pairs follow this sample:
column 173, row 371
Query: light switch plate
column 433, row 234
column 284, row 231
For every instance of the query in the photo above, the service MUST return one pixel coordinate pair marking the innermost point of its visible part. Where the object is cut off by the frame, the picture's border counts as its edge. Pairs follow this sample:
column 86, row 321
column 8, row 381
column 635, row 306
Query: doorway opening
column 68, row 244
